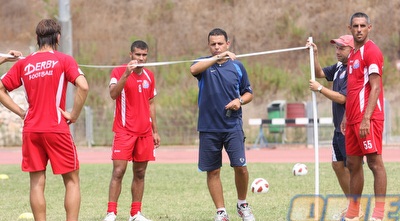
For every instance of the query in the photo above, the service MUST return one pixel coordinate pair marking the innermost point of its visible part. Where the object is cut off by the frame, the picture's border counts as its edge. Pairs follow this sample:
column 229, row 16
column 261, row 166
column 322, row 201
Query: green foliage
column 163, row 10
column 50, row 8
column 286, row 26
column 178, row 192
column 266, row 79
column 176, row 104
column 389, row 78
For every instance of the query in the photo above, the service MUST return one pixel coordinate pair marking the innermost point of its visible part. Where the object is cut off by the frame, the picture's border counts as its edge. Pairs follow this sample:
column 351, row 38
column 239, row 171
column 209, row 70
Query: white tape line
column 143, row 65
column 270, row 52
column 177, row 62
column 146, row 64
column 196, row 60
column 9, row 56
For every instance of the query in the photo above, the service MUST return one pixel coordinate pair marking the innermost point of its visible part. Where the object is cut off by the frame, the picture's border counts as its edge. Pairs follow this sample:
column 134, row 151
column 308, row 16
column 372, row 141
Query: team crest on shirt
column 356, row 64
column 145, row 84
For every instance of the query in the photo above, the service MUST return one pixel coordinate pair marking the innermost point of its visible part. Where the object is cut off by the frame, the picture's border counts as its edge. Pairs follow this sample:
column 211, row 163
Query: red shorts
column 39, row 148
column 132, row 148
column 357, row 146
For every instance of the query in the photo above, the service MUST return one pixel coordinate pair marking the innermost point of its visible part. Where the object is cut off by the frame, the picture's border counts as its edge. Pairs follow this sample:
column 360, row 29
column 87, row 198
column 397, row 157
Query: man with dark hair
column 336, row 74
column 46, row 135
column 223, row 88
column 363, row 122
column 135, row 128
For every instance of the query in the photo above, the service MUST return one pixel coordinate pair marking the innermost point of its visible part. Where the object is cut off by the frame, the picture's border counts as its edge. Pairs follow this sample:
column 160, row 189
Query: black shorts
column 338, row 147
column 210, row 150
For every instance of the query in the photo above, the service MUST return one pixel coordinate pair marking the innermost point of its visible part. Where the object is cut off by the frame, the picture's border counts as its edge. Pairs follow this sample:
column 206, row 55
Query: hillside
column 177, row 30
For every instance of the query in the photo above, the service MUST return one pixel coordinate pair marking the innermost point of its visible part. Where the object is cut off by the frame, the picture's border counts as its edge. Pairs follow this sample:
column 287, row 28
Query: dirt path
column 189, row 154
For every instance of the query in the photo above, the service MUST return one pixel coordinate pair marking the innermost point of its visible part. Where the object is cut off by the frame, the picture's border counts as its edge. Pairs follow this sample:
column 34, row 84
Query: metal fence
column 94, row 128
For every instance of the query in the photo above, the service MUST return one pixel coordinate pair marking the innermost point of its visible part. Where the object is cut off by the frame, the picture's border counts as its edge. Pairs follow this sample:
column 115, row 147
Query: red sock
column 353, row 209
column 135, row 208
column 112, row 207
column 379, row 210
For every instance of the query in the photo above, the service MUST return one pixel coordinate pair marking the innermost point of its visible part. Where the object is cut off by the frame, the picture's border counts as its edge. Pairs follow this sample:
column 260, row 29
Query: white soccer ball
column 260, row 185
column 300, row 169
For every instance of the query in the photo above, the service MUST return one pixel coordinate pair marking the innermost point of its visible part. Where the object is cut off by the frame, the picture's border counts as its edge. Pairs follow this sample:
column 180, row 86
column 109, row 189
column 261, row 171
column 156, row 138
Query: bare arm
column 235, row 103
column 201, row 66
column 374, row 81
column 156, row 136
column 14, row 53
column 332, row 95
column 247, row 98
column 82, row 89
column 6, row 100
column 115, row 89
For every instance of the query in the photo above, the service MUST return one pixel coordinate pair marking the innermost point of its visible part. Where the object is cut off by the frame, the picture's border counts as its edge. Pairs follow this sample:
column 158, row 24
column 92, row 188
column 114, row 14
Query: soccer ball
column 259, row 185
column 299, row 169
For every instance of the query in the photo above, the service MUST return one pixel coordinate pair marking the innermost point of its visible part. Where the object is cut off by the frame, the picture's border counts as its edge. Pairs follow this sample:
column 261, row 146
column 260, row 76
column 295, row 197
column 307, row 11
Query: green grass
column 177, row 192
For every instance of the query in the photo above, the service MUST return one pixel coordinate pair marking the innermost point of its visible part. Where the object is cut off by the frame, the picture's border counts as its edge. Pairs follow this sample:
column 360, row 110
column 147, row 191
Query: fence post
column 89, row 125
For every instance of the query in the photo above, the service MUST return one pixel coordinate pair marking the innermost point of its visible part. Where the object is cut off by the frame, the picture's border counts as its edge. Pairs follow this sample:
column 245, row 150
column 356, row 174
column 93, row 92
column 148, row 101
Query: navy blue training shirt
column 337, row 73
column 219, row 85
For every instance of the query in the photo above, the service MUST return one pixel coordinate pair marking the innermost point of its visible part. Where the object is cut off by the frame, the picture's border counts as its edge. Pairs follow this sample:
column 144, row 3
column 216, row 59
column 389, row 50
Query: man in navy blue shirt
column 223, row 88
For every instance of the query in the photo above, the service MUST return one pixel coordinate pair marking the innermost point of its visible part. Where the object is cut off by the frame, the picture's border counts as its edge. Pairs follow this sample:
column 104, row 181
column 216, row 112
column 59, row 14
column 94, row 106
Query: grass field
column 178, row 192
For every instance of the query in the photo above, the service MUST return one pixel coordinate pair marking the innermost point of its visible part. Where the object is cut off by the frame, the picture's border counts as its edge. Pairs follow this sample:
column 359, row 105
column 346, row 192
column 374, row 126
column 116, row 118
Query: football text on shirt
column 40, row 69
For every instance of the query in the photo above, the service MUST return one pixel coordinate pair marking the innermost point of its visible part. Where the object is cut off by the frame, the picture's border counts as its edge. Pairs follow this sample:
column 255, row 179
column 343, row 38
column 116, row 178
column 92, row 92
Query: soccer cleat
column 221, row 216
column 110, row 217
column 343, row 214
column 244, row 211
column 375, row 219
column 138, row 217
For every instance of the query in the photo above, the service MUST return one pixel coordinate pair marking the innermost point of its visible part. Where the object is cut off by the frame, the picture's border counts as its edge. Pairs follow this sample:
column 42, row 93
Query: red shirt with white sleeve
column 132, row 107
column 44, row 76
column 361, row 63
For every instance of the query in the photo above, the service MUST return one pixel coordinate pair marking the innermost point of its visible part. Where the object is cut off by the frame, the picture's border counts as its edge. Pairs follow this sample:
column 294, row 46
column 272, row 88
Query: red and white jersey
column 44, row 76
column 363, row 62
column 132, row 107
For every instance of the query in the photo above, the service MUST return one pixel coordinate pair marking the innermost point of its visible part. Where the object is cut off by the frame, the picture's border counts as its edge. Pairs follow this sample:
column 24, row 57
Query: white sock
column 221, row 209
column 240, row 202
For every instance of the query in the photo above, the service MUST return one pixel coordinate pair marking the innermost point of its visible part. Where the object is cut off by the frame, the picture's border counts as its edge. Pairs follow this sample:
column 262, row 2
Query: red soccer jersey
column 368, row 59
column 132, row 107
column 44, row 76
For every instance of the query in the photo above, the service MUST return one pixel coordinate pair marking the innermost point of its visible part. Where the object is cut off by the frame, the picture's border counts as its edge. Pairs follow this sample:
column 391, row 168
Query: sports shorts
column 338, row 147
column 39, row 148
column 357, row 146
column 210, row 149
column 133, row 148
